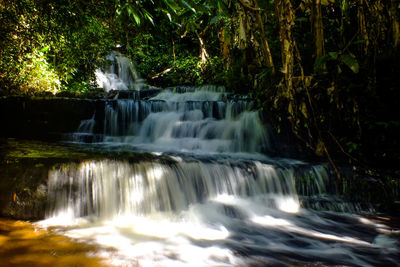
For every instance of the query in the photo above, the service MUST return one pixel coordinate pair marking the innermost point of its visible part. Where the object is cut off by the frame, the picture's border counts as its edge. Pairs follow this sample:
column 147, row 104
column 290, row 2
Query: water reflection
column 21, row 244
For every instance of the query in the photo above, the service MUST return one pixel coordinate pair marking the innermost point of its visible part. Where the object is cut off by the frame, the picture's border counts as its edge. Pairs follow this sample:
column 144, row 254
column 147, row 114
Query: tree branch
column 245, row 5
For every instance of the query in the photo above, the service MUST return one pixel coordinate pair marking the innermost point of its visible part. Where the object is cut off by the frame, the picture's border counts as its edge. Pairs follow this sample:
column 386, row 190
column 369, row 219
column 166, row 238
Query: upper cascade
column 205, row 120
column 121, row 74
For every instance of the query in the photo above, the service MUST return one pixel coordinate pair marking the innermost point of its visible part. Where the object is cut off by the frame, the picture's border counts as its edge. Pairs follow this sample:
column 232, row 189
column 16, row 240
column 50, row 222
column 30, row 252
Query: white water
column 121, row 74
column 200, row 122
column 202, row 191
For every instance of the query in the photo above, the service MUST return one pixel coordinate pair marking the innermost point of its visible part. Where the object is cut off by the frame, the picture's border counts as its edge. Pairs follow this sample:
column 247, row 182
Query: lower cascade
column 203, row 190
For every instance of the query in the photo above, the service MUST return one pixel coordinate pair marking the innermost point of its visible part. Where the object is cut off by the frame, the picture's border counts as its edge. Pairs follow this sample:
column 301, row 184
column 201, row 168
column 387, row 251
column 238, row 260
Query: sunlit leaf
column 44, row 49
column 327, row 2
column 189, row 7
column 170, row 6
column 148, row 16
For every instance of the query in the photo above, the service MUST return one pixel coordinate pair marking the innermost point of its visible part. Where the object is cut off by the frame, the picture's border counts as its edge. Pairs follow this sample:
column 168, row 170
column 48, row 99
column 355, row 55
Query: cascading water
column 199, row 189
column 121, row 74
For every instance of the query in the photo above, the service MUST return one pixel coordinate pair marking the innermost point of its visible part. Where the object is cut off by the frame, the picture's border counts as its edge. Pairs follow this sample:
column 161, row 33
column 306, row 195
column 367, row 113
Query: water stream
column 120, row 74
column 204, row 191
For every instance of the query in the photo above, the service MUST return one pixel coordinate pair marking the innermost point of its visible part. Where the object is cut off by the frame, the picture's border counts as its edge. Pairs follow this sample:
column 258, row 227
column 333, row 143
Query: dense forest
column 325, row 70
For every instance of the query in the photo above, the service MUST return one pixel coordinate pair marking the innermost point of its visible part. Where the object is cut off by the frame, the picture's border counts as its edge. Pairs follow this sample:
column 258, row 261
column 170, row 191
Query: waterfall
column 121, row 74
column 188, row 180
column 109, row 188
column 202, row 121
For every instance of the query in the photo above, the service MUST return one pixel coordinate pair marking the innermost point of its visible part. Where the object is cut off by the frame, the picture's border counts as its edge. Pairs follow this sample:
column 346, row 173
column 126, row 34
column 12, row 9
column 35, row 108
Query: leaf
column 222, row 7
column 214, row 20
column 359, row 42
column 351, row 146
column 148, row 16
column 132, row 13
column 333, row 55
column 44, row 49
column 303, row 109
column 325, row 2
column 136, row 17
column 189, row 7
column 319, row 62
column 381, row 123
column 170, row 6
column 351, row 62
column 169, row 17
column 301, row 19
column 199, row 6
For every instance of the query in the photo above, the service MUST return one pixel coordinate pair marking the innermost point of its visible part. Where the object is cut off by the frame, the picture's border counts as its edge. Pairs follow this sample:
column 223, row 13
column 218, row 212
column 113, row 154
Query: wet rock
column 23, row 190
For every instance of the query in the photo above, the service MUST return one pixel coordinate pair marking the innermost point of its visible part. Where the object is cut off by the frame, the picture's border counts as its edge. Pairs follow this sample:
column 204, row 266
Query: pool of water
column 24, row 244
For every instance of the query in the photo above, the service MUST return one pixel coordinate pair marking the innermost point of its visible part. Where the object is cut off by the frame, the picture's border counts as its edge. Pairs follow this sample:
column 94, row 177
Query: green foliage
column 186, row 71
column 235, row 79
column 345, row 97
column 346, row 59
column 37, row 75
column 350, row 62
column 79, row 87
column 351, row 147
column 213, row 72
column 51, row 50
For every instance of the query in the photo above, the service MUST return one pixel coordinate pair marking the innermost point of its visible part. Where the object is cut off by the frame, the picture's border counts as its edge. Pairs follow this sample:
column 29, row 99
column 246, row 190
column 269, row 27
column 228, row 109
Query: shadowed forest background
column 323, row 70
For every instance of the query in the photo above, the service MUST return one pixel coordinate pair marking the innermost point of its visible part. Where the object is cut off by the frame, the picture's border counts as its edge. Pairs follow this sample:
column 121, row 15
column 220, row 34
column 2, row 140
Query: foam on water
column 120, row 74
column 206, row 214
column 210, row 196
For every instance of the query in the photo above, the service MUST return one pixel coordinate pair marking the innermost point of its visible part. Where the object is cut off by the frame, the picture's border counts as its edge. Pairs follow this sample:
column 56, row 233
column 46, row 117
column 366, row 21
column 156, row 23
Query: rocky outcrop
column 23, row 190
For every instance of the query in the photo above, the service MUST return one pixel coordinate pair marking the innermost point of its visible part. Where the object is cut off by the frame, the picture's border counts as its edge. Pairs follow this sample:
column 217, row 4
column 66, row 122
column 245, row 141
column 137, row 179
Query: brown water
column 21, row 244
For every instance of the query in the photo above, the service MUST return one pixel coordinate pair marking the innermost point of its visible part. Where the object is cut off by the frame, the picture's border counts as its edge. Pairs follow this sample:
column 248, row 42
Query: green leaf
column 44, row 49
column 351, row 146
column 359, row 42
column 169, row 16
column 301, row 19
column 170, row 6
column 351, row 62
column 214, row 20
column 148, row 16
column 222, row 7
column 333, row 55
column 319, row 62
column 132, row 13
column 136, row 17
column 189, row 7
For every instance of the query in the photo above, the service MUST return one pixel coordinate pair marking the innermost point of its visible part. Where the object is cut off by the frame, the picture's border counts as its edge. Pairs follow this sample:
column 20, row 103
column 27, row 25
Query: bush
column 36, row 75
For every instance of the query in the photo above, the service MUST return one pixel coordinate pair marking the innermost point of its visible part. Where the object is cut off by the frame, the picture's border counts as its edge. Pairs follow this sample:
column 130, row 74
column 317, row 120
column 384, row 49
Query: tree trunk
column 317, row 28
column 362, row 26
column 394, row 18
column 285, row 15
column 252, row 13
column 203, row 51
column 264, row 42
column 225, row 40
